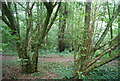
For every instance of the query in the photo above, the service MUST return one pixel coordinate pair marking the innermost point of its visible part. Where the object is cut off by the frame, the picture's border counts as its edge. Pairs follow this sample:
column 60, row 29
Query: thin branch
column 21, row 5
column 108, row 10
column 108, row 60
column 114, row 7
column 55, row 3
column 18, row 25
column 99, row 47
column 46, row 5
column 108, row 26
column 32, row 6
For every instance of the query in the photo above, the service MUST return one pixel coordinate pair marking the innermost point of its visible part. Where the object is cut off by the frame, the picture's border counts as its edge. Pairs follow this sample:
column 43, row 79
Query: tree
column 34, row 33
column 86, row 60
column 62, row 26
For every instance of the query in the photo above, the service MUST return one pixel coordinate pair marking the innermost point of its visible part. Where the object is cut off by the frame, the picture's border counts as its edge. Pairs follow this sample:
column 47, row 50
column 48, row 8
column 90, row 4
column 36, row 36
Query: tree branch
column 6, row 22
column 32, row 6
column 108, row 10
column 99, row 47
column 21, row 5
column 96, row 65
column 17, row 22
column 55, row 3
column 9, row 15
column 47, row 20
column 101, row 54
column 53, row 18
column 108, row 26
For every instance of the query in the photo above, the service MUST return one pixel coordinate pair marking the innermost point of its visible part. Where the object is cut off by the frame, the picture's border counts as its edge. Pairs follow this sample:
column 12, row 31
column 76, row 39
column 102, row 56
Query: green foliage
column 58, row 68
column 39, row 74
column 11, row 62
column 10, row 52
column 51, row 53
column 105, row 72
column 8, row 42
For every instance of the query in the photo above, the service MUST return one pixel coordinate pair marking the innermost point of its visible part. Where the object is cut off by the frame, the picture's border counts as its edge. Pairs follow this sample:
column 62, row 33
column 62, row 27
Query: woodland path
column 46, row 59
column 9, row 71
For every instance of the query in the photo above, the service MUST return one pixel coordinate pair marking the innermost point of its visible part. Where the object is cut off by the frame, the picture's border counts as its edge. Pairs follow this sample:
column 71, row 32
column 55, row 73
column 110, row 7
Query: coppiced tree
column 34, row 34
column 86, row 60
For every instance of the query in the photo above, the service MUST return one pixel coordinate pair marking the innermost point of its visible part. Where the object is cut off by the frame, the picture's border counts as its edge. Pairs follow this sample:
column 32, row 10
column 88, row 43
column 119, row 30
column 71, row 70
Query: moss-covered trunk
column 27, row 66
column 62, row 26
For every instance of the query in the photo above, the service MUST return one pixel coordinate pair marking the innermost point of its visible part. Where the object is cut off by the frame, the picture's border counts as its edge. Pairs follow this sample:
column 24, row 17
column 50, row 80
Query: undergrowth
column 55, row 68
column 105, row 72
column 66, row 70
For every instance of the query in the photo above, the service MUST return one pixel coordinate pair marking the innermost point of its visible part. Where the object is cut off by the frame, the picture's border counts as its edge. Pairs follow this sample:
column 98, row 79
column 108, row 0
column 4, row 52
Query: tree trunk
column 85, row 49
column 35, row 58
column 62, row 26
column 28, row 64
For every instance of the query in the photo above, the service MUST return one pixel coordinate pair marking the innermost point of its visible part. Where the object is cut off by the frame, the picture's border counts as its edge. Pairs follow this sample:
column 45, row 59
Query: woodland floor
column 12, row 70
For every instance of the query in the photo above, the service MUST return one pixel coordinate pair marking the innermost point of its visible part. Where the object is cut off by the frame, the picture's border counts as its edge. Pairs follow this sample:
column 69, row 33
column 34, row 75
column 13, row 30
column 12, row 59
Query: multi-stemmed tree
column 36, row 29
column 86, row 60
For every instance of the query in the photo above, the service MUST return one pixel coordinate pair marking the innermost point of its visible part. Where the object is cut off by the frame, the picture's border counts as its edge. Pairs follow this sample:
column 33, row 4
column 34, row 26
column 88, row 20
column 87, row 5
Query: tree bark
column 62, row 26
column 86, row 46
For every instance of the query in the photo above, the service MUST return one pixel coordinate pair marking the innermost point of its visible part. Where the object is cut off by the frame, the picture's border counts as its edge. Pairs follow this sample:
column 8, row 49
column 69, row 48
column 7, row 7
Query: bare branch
column 6, row 22
column 108, row 10
column 114, row 7
column 17, row 22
